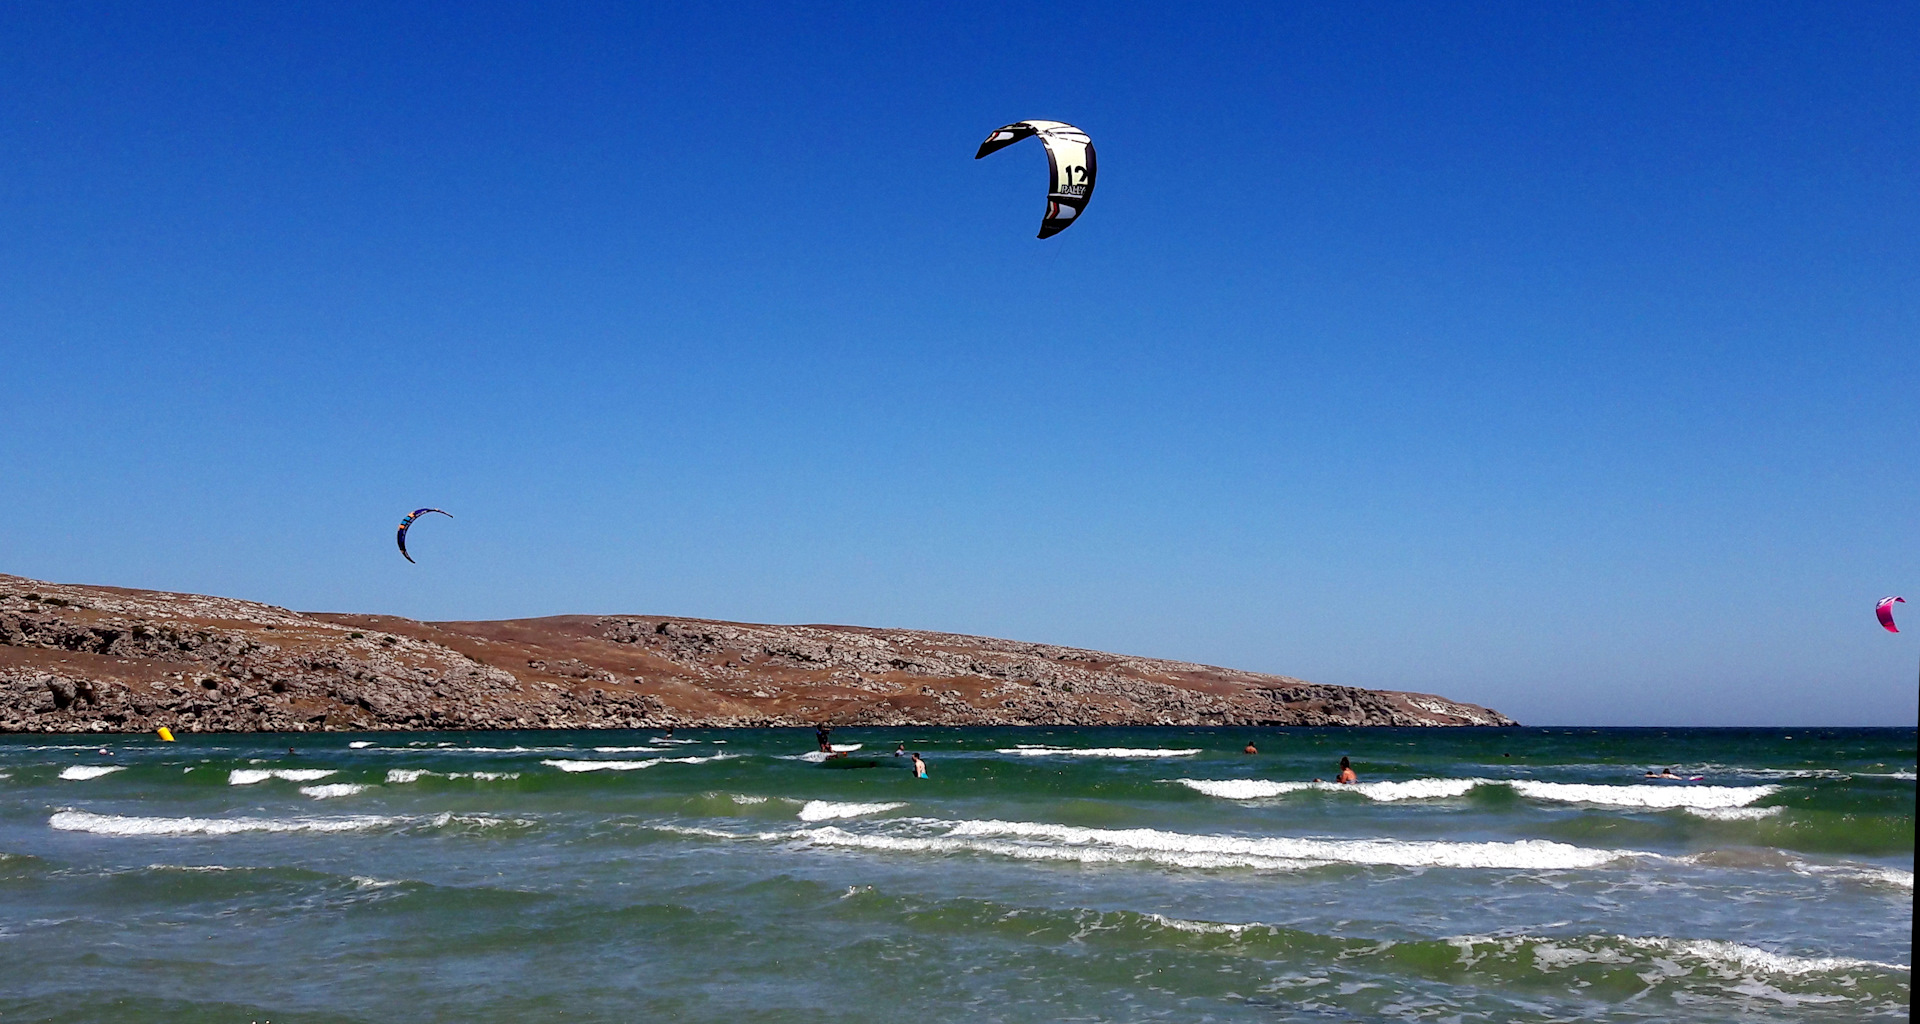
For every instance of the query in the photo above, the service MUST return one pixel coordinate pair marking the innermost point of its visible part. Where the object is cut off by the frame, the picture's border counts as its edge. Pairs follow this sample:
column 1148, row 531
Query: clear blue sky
column 1564, row 358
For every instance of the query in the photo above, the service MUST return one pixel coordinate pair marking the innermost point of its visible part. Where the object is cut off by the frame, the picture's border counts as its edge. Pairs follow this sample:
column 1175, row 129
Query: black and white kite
column 1069, row 152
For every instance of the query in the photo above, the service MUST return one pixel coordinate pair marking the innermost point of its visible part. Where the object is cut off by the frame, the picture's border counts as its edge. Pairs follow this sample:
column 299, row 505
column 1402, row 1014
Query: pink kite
column 1885, row 610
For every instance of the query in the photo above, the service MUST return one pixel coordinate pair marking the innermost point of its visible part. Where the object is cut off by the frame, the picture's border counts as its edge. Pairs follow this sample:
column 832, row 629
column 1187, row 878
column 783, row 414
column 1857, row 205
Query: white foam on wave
column 628, row 750
column 1738, row 957
column 1039, row 750
column 402, row 776
column 91, row 771
column 1867, row 874
column 822, row 810
column 132, row 825
column 1656, row 797
column 331, row 790
column 249, row 776
column 1735, row 813
column 1385, row 792
column 628, row 766
column 1519, row 854
column 359, row 744
column 832, row 836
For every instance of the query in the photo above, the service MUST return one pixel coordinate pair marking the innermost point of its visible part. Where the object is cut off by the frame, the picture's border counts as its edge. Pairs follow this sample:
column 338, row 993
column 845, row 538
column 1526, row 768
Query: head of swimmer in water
column 1344, row 764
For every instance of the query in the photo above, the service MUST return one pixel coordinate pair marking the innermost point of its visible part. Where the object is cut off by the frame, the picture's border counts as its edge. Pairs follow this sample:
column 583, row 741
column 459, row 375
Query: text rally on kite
column 1885, row 610
column 401, row 538
column 1069, row 152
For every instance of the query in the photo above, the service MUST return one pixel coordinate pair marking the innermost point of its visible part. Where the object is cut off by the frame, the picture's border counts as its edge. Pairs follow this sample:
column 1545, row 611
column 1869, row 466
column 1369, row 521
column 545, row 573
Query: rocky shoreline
column 105, row 659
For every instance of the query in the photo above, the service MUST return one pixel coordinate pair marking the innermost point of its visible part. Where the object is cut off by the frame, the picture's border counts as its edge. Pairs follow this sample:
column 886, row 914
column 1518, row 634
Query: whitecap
column 1384, row 792
column 403, row 776
column 1735, row 813
column 822, row 810
column 334, row 789
column 249, row 776
column 359, row 744
column 627, row 766
column 1656, row 796
column 628, row 750
column 1537, row 854
column 132, row 825
column 1749, row 958
column 91, row 771
column 1037, row 750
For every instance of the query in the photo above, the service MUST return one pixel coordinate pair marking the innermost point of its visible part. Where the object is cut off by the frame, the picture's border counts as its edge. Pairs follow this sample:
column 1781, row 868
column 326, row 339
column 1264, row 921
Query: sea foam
column 91, row 771
column 822, row 810
column 249, row 776
column 1037, row 750
column 1519, row 854
column 1385, row 792
column 1659, row 796
column 627, row 766
column 132, row 825
column 334, row 789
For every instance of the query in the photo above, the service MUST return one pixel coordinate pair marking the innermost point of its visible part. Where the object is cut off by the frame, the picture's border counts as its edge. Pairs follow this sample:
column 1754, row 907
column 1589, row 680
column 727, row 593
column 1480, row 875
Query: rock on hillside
column 105, row 659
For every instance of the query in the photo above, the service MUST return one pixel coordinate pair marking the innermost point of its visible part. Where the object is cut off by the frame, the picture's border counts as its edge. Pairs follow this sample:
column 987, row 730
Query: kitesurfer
column 1346, row 773
column 820, row 735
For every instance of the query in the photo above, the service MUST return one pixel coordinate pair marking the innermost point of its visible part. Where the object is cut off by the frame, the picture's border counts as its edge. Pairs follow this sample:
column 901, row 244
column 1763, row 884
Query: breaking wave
column 249, row 776
column 822, row 810
column 628, row 766
column 133, row 825
column 332, row 790
column 1386, row 792
column 1657, row 797
column 1038, row 750
column 91, row 771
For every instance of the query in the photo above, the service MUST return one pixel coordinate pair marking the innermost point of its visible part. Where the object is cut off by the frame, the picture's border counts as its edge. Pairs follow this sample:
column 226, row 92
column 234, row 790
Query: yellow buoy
column 166, row 734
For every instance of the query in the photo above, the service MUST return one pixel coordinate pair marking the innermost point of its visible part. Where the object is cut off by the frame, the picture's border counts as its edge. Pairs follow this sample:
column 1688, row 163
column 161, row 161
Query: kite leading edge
column 1069, row 153
column 401, row 538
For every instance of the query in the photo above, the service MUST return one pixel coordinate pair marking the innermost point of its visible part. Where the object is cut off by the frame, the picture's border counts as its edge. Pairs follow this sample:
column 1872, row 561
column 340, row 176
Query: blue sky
column 1561, row 358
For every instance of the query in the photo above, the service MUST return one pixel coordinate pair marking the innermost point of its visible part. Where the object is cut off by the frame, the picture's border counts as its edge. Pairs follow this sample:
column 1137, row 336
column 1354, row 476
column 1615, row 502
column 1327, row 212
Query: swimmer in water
column 901, row 750
column 1251, row 749
column 1346, row 773
column 919, row 766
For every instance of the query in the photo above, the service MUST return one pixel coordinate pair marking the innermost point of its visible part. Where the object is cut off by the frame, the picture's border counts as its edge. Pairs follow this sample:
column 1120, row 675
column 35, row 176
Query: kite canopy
column 408, row 521
column 1069, row 153
column 1885, row 610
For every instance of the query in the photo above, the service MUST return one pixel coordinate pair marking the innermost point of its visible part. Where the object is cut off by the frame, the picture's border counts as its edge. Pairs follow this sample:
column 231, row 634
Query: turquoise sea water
column 1037, row 875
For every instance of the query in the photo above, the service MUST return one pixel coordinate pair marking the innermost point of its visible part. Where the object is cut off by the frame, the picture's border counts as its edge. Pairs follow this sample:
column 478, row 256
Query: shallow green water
column 1037, row 875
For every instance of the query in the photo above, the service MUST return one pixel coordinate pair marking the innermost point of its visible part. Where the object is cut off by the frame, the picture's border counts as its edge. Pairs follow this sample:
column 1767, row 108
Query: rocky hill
column 105, row 659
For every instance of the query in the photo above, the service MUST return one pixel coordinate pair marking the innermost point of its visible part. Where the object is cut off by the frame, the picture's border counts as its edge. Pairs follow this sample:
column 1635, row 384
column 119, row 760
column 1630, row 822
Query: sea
column 1035, row 874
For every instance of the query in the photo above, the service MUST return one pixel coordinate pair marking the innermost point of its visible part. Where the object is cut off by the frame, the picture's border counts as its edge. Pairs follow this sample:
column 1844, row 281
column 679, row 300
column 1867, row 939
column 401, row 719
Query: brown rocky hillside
column 84, row 658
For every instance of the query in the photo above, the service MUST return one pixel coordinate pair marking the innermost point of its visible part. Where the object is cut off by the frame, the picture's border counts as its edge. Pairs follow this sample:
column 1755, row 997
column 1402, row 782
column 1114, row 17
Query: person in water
column 820, row 734
column 1251, row 749
column 919, row 766
column 901, row 750
column 1346, row 773
column 1668, row 774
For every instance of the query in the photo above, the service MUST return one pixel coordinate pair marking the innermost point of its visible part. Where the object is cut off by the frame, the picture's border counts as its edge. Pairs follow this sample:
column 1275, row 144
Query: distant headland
column 106, row 659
